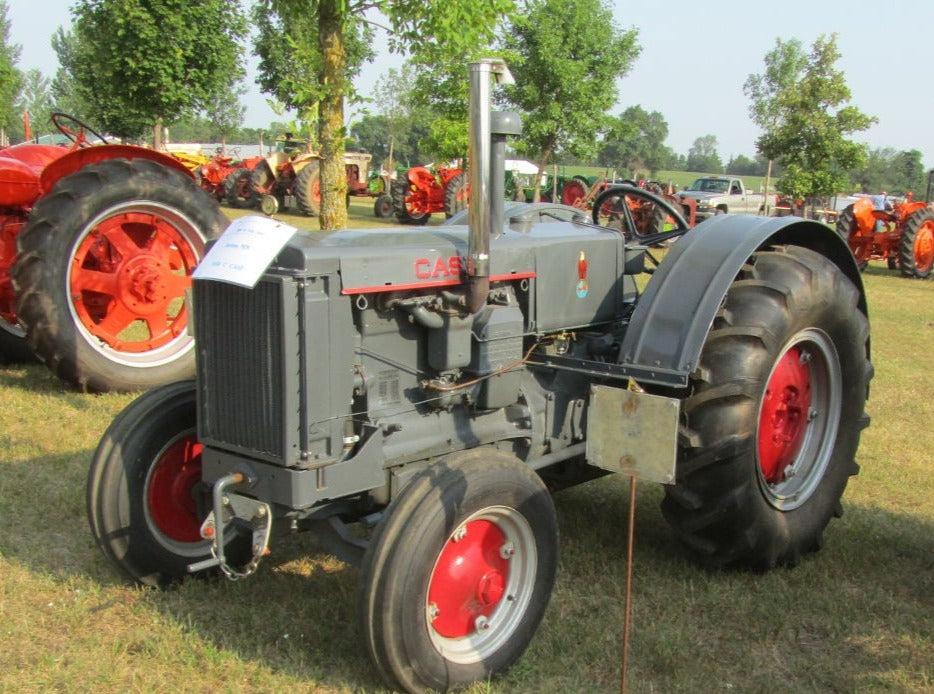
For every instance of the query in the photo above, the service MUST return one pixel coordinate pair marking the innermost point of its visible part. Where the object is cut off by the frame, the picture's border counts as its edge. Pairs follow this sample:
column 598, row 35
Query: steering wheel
column 639, row 214
column 59, row 120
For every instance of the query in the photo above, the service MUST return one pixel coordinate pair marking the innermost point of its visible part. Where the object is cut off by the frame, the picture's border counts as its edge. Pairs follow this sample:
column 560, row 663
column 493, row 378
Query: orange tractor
column 419, row 193
column 97, row 245
column 902, row 236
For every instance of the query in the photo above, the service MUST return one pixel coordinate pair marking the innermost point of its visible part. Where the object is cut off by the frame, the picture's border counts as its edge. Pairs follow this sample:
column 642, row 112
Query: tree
column 439, row 27
column 66, row 97
column 225, row 112
column 35, row 99
column 801, row 102
column 141, row 63
column 703, row 155
column 568, row 56
column 11, row 78
column 891, row 171
column 636, row 140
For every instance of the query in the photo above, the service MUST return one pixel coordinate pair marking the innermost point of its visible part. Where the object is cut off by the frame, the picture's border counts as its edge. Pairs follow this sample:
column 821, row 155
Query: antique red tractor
column 97, row 245
column 420, row 193
column 902, row 236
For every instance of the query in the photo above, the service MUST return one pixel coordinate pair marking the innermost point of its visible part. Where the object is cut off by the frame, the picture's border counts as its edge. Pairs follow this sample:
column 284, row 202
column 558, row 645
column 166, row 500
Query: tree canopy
column 801, row 102
column 566, row 56
column 703, row 155
column 636, row 140
column 11, row 78
column 137, row 63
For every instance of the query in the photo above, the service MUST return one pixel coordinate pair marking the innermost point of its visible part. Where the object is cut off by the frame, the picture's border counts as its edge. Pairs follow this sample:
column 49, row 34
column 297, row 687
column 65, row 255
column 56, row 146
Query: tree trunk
column 331, row 21
column 157, row 142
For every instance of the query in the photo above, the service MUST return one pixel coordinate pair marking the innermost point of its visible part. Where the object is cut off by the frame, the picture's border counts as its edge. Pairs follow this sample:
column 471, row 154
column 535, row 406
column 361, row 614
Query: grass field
column 857, row 616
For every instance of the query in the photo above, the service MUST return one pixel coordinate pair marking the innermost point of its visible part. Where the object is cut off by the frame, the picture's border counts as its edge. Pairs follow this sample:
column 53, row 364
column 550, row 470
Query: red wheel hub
column 133, row 267
column 170, row 491
column 924, row 247
column 784, row 416
column 469, row 579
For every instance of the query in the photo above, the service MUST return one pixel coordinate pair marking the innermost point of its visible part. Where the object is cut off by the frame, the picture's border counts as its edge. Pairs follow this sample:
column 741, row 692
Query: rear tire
column 459, row 571
column 239, row 192
column 145, row 498
column 307, row 188
column 455, row 195
column 401, row 189
column 773, row 419
column 846, row 225
column 916, row 247
column 102, row 271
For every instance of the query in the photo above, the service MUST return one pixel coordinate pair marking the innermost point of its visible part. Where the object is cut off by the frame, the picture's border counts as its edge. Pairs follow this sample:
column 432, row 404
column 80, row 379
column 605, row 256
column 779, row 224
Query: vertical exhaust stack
column 485, row 201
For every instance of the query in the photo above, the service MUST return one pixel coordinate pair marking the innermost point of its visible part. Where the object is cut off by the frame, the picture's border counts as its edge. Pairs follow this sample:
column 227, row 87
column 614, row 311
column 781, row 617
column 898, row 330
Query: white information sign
column 244, row 251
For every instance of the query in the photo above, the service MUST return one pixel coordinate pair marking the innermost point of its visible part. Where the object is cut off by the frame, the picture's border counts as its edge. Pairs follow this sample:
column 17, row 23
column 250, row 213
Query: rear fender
column 85, row 156
column 671, row 321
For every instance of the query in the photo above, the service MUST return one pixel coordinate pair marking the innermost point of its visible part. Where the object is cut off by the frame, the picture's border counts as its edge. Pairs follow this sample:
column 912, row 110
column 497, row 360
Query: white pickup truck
column 722, row 195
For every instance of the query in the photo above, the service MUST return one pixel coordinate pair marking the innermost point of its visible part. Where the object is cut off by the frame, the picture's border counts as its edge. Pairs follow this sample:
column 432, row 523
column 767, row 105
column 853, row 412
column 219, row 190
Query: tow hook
column 230, row 507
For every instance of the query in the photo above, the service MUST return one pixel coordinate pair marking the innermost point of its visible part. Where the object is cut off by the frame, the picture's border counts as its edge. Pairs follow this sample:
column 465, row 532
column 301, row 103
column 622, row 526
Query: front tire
column 102, row 271
column 773, row 419
column 401, row 189
column 455, row 195
column 459, row 571
column 145, row 498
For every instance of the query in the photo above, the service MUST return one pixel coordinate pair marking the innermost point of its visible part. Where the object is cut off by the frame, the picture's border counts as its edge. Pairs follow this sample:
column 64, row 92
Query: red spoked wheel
column 170, row 491
column 129, row 276
column 574, row 193
column 102, row 271
column 481, row 584
column 798, row 419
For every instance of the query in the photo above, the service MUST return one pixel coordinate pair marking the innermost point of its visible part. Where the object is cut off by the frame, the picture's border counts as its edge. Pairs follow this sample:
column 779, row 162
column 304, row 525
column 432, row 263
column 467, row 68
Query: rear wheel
column 307, row 188
column 401, row 191
column 458, row 574
column 455, row 195
column 13, row 347
column 102, row 271
column 238, row 189
column 916, row 247
column 145, row 497
column 773, row 419
column 574, row 192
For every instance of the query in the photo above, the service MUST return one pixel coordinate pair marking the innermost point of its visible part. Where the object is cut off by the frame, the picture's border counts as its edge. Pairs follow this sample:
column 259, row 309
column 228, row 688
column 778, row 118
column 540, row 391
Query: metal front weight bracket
column 231, row 508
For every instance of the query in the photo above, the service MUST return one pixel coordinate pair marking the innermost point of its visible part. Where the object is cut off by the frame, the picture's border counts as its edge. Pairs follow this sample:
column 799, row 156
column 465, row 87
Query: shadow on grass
column 858, row 615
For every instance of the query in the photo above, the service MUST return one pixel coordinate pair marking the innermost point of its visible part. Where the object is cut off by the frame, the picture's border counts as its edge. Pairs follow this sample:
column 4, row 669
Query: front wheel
column 102, row 272
column 145, row 497
column 459, row 571
column 773, row 419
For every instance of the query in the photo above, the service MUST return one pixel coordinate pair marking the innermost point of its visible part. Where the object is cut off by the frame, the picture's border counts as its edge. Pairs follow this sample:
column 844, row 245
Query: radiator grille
column 241, row 367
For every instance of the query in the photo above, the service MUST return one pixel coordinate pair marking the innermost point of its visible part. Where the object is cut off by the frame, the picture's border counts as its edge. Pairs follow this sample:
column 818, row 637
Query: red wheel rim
column 469, row 579
column 169, row 494
column 128, row 280
column 572, row 193
column 784, row 415
column 924, row 247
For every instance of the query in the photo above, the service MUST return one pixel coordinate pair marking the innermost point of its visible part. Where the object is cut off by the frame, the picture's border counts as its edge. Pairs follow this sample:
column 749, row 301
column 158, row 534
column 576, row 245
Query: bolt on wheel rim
column 799, row 417
column 481, row 585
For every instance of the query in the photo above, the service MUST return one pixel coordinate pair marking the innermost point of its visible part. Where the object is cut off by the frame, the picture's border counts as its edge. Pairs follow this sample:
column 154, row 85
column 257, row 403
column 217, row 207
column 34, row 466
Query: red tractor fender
column 422, row 178
column 79, row 158
column 20, row 169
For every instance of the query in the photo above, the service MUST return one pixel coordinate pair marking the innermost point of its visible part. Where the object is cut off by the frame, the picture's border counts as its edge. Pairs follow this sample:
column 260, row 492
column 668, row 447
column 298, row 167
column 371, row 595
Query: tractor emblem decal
column 426, row 269
column 582, row 287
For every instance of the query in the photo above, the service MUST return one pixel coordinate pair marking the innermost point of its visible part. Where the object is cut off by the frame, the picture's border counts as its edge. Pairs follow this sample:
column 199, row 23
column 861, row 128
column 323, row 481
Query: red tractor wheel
column 774, row 414
column 145, row 497
column 459, row 571
column 13, row 347
column 307, row 188
column 455, row 195
column 916, row 247
column 402, row 203
column 102, row 272
column 574, row 192
column 239, row 192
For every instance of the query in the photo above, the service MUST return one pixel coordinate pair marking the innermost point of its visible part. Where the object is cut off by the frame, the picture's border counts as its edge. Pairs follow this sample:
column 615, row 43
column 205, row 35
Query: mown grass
column 858, row 616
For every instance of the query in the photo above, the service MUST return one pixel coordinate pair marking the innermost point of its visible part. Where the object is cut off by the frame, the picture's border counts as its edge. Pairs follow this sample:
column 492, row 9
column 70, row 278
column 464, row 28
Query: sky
column 695, row 58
